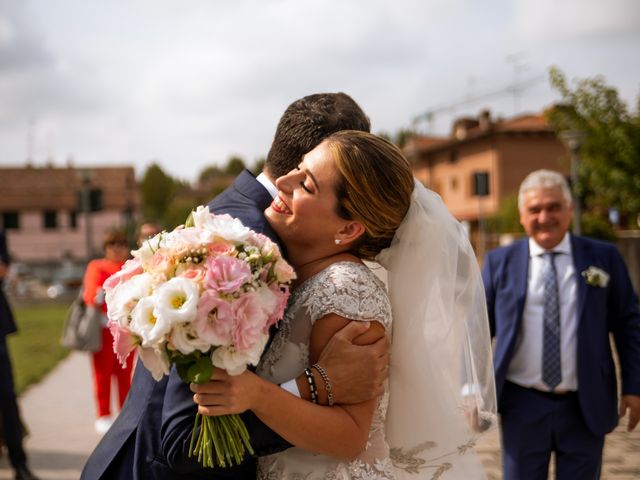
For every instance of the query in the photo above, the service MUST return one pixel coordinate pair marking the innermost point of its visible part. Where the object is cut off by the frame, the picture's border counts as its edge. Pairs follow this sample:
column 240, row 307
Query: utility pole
column 573, row 139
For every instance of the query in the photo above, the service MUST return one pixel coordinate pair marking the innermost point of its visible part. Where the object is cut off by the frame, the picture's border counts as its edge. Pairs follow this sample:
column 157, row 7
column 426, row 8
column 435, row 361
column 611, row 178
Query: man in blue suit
column 150, row 438
column 12, row 428
column 553, row 300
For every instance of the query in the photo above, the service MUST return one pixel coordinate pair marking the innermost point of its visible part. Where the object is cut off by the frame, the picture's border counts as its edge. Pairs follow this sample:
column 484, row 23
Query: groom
column 150, row 438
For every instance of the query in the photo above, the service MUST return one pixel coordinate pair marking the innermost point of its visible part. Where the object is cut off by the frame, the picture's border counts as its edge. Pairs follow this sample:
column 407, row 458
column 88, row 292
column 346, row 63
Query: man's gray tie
column 551, row 365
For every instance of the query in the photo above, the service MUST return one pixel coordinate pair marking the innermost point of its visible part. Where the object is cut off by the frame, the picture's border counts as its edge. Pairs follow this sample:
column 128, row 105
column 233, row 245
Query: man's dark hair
column 308, row 121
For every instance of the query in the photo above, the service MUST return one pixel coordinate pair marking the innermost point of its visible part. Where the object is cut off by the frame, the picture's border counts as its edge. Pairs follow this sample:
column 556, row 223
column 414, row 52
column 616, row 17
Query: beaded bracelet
column 327, row 383
column 312, row 385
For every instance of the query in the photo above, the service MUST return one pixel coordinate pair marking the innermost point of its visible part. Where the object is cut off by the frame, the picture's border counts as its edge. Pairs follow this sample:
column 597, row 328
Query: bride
column 353, row 198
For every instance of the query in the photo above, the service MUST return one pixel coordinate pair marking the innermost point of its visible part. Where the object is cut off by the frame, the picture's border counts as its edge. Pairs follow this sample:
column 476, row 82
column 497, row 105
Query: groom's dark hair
column 308, row 121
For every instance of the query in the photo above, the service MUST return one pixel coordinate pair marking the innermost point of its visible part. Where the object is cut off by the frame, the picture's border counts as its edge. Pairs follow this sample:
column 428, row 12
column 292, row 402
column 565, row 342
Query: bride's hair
column 375, row 187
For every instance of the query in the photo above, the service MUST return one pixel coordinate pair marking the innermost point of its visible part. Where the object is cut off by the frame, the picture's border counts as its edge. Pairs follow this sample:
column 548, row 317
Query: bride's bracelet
column 327, row 383
column 313, row 390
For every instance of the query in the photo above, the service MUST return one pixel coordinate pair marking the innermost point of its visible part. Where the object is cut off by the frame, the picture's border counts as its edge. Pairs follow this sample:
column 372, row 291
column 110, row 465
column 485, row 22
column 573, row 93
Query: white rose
column 177, row 301
column 156, row 361
column 235, row 362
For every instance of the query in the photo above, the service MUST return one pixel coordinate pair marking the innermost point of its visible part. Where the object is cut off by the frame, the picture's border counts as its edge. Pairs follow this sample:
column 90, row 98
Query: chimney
column 462, row 126
column 485, row 120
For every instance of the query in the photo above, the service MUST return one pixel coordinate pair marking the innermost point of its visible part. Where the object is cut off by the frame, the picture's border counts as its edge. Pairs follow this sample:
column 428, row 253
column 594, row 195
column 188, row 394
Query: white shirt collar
column 268, row 184
column 563, row 247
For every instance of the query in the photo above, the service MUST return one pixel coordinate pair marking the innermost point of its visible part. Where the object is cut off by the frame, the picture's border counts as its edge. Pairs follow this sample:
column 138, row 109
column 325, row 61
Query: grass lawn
column 35, row 349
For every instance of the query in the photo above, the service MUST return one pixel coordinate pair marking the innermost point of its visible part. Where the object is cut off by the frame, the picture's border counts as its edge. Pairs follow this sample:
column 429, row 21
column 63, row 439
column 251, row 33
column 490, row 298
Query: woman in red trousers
column 105, row 364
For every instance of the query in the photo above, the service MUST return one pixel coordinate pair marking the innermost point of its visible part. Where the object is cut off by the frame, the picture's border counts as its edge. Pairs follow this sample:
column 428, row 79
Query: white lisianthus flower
column 177, row 301
column 234, row 361
column 156, row 361
column 123, row 297
column 185, row 339
column 149, row 247
column 224, row 226
column 184, row 239
column 145, row 324
column 201, row 216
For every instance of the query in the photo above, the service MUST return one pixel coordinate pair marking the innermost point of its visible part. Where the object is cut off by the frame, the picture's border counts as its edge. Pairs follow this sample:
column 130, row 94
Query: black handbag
column 82, row 327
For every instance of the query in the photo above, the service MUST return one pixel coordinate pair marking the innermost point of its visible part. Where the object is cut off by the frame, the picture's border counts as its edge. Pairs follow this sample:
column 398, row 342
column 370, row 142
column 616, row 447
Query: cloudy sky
column 188, row 83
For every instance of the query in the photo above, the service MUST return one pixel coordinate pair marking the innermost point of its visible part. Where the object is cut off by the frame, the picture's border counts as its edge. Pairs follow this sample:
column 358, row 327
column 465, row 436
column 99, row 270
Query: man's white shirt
column 525, row 368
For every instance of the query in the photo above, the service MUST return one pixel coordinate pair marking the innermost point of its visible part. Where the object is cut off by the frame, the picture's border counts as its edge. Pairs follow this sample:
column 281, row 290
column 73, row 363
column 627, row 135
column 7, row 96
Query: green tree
column 507, row 218
column 400, row 138
column 157, row 189
column 259, row 165
column 609, row 168
column 234, row 166
column 177, row 212
column 209, row 173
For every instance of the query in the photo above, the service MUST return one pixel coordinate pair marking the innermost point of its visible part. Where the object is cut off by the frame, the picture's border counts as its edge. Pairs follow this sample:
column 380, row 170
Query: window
column 50, row 219
column 11, row 220
column 73, row 220
column 480, row 184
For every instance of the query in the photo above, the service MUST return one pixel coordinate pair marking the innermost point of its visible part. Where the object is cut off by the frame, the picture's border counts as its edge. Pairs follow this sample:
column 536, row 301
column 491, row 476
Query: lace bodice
column 352, row 291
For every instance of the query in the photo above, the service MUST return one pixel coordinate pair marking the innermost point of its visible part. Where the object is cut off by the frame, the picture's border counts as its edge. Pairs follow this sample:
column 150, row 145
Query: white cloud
column 558, row 19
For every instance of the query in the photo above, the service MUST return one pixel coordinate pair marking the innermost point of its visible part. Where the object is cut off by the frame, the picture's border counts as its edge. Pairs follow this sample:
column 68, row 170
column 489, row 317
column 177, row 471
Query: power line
column 514, row 88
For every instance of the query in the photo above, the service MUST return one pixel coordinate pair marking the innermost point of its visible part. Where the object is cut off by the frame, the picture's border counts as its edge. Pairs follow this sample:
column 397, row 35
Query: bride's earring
column 337, row 241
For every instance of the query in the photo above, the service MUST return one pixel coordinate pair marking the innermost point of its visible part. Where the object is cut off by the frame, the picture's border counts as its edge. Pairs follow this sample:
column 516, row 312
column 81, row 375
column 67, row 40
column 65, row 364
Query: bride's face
column 304, row 212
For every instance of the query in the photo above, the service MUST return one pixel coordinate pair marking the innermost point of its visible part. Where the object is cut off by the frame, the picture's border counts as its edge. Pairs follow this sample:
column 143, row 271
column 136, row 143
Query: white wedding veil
column 442, row 391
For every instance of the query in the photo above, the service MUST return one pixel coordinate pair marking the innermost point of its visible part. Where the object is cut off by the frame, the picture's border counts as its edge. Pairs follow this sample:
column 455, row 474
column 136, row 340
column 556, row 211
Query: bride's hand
column 226, row 394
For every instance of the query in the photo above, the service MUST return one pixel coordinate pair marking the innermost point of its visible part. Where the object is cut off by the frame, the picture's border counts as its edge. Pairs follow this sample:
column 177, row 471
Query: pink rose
column 226, row 274
column 214, row 322
column 284, row 272
column 159, row 262
column 130, row 268
column 250, row 321
column 221, row 248
column 195, row 273
column 124, row 342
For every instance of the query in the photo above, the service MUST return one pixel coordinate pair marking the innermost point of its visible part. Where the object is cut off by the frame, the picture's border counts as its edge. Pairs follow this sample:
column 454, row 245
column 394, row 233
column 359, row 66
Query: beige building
column 43, row 215
column 483, row 161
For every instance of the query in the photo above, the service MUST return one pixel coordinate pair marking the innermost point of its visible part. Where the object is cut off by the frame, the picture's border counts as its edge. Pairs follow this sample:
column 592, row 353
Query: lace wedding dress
column 350, row 290
column 441, row 392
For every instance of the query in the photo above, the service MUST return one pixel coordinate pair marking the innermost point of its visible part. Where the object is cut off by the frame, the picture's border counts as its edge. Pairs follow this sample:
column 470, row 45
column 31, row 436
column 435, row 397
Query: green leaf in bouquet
column 200, row 371
column 189, row 221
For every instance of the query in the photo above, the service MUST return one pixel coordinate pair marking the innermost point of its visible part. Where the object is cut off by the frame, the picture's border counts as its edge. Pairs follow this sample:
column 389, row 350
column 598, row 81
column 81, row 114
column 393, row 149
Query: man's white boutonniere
column 596, row 277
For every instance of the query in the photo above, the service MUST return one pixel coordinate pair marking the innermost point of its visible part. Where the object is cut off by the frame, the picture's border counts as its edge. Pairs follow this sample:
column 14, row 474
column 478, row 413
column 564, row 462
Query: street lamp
column 573, row 139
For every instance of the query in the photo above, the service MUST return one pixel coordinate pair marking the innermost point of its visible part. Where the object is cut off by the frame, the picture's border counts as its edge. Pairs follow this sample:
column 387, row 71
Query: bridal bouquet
column 200, row 296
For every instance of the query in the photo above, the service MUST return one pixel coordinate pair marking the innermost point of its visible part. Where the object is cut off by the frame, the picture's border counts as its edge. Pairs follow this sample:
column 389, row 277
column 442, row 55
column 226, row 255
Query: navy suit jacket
column 613, row 308
column 7, row 324
column 150, row 438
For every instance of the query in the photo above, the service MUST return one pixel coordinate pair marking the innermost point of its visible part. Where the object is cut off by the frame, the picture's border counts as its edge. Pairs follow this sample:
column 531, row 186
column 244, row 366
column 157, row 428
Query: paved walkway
column 60, row 413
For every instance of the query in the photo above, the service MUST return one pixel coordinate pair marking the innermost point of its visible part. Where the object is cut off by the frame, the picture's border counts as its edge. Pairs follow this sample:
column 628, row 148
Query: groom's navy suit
column 600, row 311
column 150, row 438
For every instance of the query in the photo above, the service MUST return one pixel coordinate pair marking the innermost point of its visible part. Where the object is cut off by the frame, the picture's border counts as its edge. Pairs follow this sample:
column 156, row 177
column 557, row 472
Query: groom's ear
column 350, row 232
